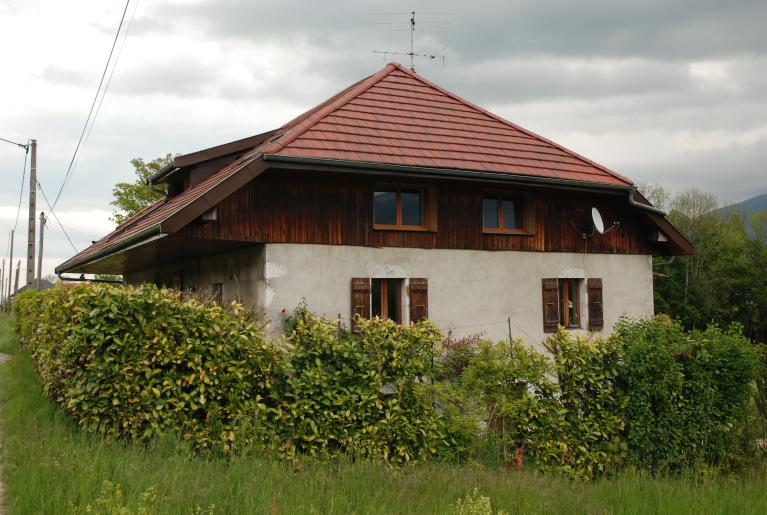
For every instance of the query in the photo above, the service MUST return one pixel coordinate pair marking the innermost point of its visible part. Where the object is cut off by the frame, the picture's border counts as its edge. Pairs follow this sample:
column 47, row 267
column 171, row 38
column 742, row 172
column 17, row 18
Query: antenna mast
column 412, row 52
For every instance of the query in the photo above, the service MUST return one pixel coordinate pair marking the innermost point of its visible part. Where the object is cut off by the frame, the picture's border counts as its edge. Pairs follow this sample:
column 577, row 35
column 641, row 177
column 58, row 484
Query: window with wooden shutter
column 550, row 305
column 419, row 298
column 596, row 315
column 361, row 297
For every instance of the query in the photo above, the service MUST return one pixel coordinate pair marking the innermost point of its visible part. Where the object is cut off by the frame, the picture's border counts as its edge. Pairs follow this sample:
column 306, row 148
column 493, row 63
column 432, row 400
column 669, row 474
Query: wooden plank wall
column 285, row 206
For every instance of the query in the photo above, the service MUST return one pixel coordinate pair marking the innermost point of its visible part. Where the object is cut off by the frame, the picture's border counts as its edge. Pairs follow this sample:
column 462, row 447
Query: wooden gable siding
column 285, row 206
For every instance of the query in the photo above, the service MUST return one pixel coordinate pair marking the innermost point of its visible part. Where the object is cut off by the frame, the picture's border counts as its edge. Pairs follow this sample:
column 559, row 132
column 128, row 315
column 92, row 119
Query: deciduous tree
column 132, row 197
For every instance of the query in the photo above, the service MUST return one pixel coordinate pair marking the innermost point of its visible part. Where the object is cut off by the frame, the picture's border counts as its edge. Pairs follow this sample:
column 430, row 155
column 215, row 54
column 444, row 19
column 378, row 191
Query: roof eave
column 451, row 172
column 138, row 238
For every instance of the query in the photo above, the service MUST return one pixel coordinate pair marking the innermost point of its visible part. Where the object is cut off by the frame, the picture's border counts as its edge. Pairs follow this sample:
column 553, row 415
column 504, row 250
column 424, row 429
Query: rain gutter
column 450, row 172
column 146, row 233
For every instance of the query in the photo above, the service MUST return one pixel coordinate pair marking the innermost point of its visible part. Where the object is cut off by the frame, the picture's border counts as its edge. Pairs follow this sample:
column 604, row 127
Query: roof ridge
column 509, row 123
column 329, row 106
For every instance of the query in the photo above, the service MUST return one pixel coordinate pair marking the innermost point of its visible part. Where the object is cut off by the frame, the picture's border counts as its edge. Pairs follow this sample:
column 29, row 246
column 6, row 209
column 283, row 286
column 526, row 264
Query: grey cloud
column 184, row 77
column 665, row 29
column 733, row 173
column 66, row 76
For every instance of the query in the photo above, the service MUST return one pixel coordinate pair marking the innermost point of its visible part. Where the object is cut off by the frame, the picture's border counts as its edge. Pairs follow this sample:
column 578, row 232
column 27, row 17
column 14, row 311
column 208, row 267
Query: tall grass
column 51, row 466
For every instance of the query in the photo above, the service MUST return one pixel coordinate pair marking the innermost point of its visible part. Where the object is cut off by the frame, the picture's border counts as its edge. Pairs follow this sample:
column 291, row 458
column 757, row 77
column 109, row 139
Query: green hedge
column 364, row 393
column 689, row 394
column 650, row 396
column 137, row 362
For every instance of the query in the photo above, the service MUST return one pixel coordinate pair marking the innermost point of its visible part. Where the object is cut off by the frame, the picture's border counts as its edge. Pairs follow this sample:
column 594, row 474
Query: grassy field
column 52, row 467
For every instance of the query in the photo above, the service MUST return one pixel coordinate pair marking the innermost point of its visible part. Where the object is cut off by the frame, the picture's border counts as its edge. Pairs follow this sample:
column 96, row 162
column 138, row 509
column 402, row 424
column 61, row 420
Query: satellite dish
column 596, row 217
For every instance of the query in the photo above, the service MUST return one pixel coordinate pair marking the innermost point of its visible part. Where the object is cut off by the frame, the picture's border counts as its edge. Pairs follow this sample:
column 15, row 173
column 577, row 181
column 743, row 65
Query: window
column 386, row 299
column 504, row 214
column 400, row 208
column 569, row 303
column 383, row 297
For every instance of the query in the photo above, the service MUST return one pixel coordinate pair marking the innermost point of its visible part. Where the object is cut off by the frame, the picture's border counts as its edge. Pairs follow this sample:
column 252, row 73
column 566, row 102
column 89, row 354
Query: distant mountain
column 752, row 205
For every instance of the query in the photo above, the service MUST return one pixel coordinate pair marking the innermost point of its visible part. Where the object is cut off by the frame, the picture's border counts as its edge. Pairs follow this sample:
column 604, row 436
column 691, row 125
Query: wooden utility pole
column 10, row 273
column 32, row 212
column 40, row 252
column 16, row 282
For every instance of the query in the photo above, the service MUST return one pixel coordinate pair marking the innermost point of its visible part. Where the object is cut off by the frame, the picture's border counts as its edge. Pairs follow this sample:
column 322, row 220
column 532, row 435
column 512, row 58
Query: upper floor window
column 503, row 214
column 400, row 208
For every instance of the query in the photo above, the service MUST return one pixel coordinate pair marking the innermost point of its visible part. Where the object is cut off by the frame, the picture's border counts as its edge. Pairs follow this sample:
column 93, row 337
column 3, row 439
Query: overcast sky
column 662, row 91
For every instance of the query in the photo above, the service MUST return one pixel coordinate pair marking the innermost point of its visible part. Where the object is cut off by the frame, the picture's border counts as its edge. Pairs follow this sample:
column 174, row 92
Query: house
column 399, row 199
column 40, row 284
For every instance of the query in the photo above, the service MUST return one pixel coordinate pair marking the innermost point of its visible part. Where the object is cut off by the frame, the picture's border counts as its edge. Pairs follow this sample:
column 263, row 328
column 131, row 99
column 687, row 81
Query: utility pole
column 32, row 211
column 40, row 252
column 10, row 273
column 16, row 283
column 2, row 285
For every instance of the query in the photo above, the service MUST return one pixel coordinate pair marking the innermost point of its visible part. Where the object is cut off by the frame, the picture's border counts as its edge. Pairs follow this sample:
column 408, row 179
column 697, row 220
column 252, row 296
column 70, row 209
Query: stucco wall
column 469, row 291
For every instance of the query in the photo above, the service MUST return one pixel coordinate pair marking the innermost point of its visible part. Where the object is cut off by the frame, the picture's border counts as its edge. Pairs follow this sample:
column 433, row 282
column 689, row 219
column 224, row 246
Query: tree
column 132, row 197
column 723, row 281
column 758, row 222
column 658, row 196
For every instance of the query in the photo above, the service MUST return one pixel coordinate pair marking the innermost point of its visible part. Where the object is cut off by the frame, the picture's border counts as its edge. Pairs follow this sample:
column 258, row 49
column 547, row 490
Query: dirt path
column 3, row 359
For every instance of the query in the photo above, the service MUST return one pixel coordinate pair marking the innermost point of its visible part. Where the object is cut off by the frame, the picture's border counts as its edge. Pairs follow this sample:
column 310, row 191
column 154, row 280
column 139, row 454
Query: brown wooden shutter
column 550, row 305
column 361, row 297
column 596, row 315
column 419, row 299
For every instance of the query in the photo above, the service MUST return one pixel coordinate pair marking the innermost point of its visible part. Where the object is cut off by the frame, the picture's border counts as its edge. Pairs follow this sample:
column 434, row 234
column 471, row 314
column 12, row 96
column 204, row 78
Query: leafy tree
column 723, row 281
column 758, row 222
column 658, row 195
column 132, row 197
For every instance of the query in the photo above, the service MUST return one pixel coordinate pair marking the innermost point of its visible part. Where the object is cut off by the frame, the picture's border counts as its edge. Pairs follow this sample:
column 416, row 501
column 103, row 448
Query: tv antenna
column 413, row 54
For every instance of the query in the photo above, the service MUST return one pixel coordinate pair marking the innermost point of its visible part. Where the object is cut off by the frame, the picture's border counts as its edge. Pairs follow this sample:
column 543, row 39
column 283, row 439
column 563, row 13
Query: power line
column 53, row 213
column 21, row 190
column 90, row 112
column 14, row 143
column 109, row 81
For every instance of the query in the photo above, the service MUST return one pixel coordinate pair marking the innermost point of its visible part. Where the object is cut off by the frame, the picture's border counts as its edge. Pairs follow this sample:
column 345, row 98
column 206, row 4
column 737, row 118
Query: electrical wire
column 21, row 190
column 14, row 143
column 53, row 213
column 109, row 81
column 70, row 168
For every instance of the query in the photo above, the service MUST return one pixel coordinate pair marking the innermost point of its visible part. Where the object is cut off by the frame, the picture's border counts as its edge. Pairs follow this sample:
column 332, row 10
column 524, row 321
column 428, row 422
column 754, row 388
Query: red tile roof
column 157, row 213
column 392, row 117
column 396, row 117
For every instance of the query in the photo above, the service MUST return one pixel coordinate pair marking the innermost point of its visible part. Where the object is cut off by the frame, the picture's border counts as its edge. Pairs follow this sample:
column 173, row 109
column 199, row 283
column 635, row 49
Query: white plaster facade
column 470, row 291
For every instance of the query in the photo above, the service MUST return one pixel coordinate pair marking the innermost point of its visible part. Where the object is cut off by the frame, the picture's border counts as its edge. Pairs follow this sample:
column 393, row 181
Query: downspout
column 639, row 205
column 156, row 190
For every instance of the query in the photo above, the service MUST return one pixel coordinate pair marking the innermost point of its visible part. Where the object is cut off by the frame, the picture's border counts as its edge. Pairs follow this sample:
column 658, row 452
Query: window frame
column 527, row 212
column 564, row 294
column 383, row 298
column 428, row 205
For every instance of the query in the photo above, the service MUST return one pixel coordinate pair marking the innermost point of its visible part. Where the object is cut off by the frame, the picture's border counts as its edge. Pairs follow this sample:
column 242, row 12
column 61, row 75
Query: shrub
column 688, row 394
column 509, row 380
column 138, row 362
column 584, row 418
column 364, row 393
column 650, row 396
